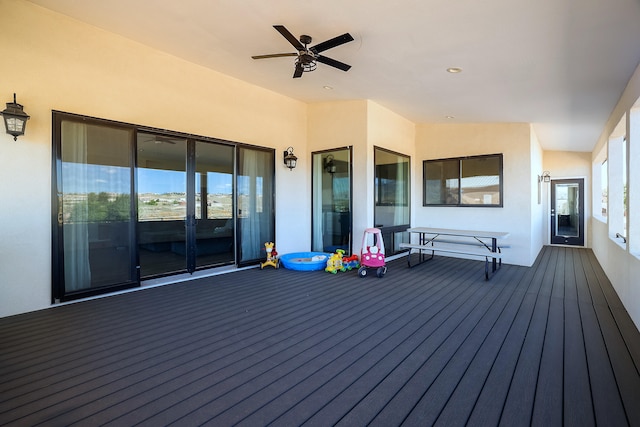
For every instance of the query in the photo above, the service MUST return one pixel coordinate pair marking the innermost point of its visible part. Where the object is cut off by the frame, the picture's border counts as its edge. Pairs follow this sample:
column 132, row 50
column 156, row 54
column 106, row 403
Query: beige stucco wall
column 566, row 165
column 620, row 266
column 61, row 64
column 538, row 199
column 343, row 124
column 362, row 125
column 513, row 140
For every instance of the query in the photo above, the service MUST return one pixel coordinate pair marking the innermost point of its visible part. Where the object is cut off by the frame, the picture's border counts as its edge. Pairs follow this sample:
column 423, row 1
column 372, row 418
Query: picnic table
column 462, row 242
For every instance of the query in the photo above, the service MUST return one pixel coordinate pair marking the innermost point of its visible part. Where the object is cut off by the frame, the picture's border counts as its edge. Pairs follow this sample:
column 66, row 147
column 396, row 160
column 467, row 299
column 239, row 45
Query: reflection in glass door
column 256, row 204
column 132, row 203
column 331, row 201
column 392, row 197
column 214, row 233
column 567, row 212
column 162, row 204
column 93, row 241
column 185, row 204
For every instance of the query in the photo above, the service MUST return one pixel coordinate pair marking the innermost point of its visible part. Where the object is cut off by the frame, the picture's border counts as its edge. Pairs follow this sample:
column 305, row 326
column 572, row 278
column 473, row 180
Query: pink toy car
column 372, row 255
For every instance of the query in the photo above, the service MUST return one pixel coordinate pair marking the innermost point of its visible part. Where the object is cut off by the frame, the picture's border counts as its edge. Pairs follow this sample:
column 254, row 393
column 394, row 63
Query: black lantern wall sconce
column 290, row 159
column 329, row 165
column 546, row 177
column 15, row 119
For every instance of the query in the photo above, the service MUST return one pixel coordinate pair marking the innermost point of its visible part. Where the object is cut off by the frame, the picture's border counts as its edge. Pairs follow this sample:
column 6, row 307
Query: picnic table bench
column 461, row 242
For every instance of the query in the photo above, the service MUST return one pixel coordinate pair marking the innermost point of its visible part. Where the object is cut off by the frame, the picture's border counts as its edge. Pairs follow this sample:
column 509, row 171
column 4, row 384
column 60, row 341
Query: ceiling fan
column 308, row 56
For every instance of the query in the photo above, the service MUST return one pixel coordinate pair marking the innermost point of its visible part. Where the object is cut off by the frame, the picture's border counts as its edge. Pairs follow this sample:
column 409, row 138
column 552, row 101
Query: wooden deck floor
column 549, row 345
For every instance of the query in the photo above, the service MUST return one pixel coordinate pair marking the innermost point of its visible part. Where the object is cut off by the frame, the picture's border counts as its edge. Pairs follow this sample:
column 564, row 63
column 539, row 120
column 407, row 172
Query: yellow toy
column 334, row 263
column 272, row 255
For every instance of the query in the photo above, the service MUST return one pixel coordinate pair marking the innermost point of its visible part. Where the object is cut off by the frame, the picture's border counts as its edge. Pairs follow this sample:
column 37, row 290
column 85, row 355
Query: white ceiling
column 559, row 64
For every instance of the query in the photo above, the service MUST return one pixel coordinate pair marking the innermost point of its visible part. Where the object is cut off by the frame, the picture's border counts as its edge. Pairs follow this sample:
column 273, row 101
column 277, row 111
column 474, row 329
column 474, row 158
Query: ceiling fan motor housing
column 306, row 57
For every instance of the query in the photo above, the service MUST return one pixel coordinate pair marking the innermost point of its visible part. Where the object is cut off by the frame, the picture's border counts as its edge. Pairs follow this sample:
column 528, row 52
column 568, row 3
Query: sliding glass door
column 331, row 201
column 185, row 204
column 131, row 203
column 187, row 199
column 94, row 226
column 162, row 204
column 214, row 204
column 256, row 203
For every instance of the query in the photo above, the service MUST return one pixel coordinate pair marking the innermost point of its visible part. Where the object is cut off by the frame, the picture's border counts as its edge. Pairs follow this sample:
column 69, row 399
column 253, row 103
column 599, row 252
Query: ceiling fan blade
column 287, row 35
column 298, row 72
column 336, row 41
column 274, row 55
column 332, row 62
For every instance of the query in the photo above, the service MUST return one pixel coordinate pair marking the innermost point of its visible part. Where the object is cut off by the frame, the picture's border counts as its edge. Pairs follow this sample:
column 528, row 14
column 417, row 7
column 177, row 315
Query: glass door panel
column 391, row 213
column 162, row 204
column 93, row 245
column 215, row 225
column 331, row 201
column 255, row 203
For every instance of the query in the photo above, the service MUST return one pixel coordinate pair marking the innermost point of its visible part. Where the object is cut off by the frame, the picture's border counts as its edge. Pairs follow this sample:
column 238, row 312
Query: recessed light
column 327, row 87
column 454, row 70
column 449, row 117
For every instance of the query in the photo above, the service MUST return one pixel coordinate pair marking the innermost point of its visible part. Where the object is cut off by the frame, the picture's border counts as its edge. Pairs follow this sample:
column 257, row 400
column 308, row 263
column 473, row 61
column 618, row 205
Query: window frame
column 460, row 187
column 394, row 233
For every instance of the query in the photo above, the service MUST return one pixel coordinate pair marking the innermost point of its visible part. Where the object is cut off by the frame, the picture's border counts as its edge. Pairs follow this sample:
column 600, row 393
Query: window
column 632, row 190
column 617, row 182
column 624, row 187
column 604, row 186
column 463, row 181
column 392, row 204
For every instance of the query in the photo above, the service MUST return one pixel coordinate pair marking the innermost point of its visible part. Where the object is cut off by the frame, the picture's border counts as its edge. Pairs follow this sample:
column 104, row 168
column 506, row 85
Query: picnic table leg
column 494, row 248
column 421, row 258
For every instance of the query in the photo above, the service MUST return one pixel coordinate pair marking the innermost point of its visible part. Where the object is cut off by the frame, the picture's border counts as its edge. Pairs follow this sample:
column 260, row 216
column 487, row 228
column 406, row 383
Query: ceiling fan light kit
column 308, row 57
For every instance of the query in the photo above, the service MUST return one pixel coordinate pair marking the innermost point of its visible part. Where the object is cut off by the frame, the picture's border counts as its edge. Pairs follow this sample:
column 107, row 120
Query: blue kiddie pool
column 305, row 261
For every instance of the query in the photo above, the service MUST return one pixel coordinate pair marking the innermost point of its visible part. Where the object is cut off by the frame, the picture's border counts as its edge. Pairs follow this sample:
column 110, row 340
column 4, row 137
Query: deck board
column 431, row 345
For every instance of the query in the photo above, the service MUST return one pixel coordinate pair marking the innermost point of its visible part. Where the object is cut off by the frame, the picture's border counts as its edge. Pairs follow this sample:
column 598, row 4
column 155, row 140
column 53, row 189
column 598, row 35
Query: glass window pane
column 331, row 201
column 463, row 181
column 480, row 181
column 391, row 188
column 442, row 182
column 162, row 203
column 95, row 206
column 567, row 204
column 624, row 187
column 255, row 188
column 604, row 186
column 214, row 204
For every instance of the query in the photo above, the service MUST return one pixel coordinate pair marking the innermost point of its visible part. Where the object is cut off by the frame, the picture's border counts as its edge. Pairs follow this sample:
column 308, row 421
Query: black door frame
column 59, row 292
column 314, row 172
column 556, row 239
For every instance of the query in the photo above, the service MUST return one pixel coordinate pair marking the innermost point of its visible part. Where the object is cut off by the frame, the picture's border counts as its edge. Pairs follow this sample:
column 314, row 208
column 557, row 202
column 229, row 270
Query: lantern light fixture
column 290, row 159
column 545, row 177
column 15, row 119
